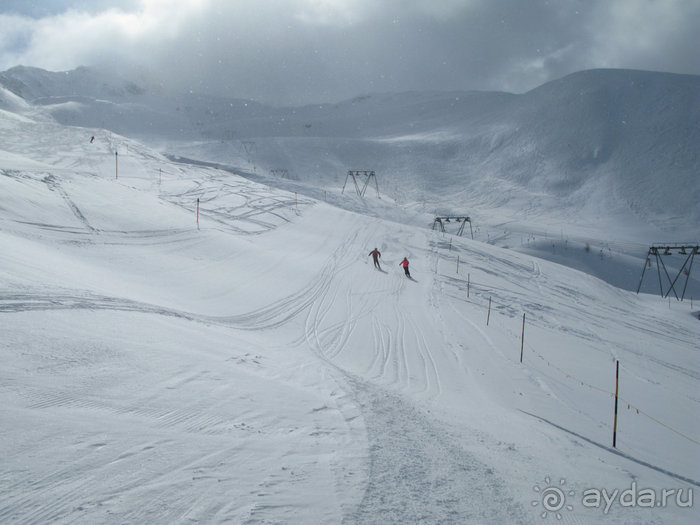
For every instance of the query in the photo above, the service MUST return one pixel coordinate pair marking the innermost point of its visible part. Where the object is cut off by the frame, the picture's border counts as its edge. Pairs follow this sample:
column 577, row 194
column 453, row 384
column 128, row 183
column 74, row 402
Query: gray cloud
column 302, row 51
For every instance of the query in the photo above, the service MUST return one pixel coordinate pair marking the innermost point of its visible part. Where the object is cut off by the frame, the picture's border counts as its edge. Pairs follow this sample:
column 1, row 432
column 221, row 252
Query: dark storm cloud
column 300, row 51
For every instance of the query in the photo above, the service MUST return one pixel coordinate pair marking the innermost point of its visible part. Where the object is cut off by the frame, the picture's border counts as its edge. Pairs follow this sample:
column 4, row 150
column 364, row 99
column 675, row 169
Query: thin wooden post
column 468, row 286
column 617, row 388
column 522, row 341
column 197, row 212
column 116, row 165
column 458, row 264
column 488, row 315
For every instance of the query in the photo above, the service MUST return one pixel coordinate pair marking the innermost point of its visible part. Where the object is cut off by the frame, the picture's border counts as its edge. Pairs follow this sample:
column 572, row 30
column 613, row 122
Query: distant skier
column 375, row 257
column 92, row 139
column 404, row 263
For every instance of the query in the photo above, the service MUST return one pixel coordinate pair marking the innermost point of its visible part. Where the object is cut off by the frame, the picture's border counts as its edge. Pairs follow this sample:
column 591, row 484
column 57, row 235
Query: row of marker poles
column 617, row 376
column 522, row 350
column 488, row 318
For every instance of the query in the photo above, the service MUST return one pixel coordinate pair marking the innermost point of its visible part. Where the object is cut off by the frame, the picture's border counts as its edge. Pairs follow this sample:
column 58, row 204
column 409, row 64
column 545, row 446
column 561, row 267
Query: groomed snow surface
column 254, row 367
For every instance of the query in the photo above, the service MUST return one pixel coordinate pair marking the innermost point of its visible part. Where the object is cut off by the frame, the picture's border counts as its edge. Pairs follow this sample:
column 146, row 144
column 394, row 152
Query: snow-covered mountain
column 551, row 167
column 594, row 143
column 185, row 343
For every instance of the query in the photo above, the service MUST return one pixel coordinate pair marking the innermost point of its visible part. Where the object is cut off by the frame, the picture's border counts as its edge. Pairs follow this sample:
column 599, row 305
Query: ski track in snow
column 54, row 185
column 418, row 472
column 237, row 207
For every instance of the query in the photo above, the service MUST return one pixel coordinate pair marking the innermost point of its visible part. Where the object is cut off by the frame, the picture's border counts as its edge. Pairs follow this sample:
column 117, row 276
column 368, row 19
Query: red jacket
column 404, row 263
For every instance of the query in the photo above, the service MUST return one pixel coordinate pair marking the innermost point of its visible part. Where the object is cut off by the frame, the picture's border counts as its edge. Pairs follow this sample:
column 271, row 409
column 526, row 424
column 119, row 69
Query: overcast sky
column 307, row 51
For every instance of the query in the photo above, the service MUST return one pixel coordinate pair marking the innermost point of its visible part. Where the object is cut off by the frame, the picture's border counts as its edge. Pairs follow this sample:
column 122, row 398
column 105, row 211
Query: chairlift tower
column 368, row 175
column 660, row 251
column 462, row 220
column 248, row 147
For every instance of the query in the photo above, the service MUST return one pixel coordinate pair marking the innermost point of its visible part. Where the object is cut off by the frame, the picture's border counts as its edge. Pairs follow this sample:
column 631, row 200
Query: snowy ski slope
column 253, row 366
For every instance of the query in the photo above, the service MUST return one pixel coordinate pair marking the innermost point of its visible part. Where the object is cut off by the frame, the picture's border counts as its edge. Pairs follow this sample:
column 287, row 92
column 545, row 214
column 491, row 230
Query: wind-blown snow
column 253, row 367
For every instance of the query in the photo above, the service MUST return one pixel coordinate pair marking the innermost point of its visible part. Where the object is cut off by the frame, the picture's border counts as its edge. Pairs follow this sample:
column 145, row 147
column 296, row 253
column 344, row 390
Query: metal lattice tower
column 248, row 146
column 660, row 251
column 440, row 221
column 369, row 176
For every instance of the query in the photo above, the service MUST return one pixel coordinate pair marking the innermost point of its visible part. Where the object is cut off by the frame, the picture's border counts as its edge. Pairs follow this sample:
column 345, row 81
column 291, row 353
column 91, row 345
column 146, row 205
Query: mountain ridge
column 593, row 143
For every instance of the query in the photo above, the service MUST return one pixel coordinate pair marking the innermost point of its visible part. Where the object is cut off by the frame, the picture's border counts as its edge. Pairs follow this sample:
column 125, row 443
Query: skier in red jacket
column 404, row 263
column 375, row 256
